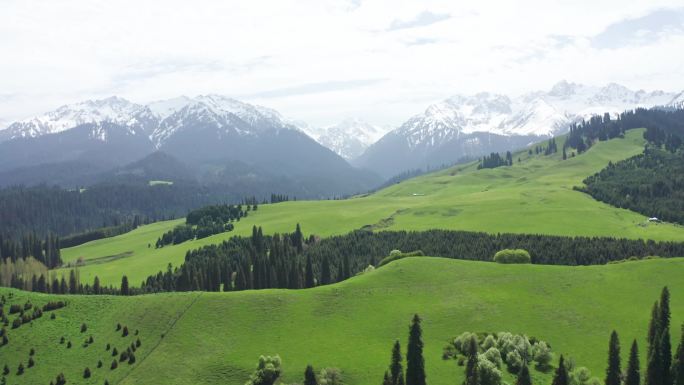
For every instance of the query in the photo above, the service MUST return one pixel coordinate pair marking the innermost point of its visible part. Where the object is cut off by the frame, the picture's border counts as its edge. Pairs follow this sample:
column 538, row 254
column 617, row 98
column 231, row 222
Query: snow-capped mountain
column 114, row 110
column 349, row 138
column 469, row 125
column 158, row 120
column 207, row 131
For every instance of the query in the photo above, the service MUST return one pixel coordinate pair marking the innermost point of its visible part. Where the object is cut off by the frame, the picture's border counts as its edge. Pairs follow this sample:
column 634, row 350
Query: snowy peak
column 158, row 120
column 540, row 113
column 114, row 110
column 349, row 138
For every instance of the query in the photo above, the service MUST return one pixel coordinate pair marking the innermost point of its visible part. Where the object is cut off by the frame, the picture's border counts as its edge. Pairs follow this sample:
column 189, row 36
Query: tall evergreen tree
column 326, row 277
column 678, row 362
column 665, row 344
column 310, row 376
column 561, row 375
column 524, row 375
column 415, row 364
column 633, row 376
column 613, row 372
column 386, row 380
column 396, row 370
column 308, row 274
column 124, row 286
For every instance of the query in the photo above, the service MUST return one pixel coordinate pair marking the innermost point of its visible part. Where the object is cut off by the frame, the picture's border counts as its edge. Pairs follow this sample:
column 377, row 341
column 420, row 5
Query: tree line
column 294, row 261
column 651, row 183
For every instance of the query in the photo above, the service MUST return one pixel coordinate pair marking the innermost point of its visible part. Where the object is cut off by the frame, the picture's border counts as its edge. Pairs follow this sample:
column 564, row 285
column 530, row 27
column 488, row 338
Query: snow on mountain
column 677, row 101
column 540, row 113
column 114, row 109
column 159, row 120
column 349, row 138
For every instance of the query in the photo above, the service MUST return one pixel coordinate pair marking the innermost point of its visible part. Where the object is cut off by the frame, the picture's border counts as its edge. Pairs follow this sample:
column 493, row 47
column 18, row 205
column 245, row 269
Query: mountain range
column 216, row 137
column 223, row 141
column 468, row 126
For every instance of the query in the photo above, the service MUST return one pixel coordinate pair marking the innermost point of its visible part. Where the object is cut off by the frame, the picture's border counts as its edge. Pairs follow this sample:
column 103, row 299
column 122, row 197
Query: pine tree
column 415, row 364
column 613, row 372
column 678, row 362
column 665, row 345
column 86, row 373
column 326, row 278
column 310, row 376
column 396, row 369
column 633, row 376
column 561, row 375
column 309, row 275
column 96, row 286
column 124, row 286
column 653, row 367
column 471, row 373
column 524, row 375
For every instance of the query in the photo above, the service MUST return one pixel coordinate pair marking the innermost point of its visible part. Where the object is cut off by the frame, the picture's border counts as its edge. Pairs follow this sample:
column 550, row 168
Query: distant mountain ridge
column 349, row 138
column 465, row 126
column 208, row 133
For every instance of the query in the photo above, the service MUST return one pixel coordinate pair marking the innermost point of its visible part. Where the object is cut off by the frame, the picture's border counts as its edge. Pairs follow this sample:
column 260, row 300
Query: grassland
column 535, row 195
column 216, row 338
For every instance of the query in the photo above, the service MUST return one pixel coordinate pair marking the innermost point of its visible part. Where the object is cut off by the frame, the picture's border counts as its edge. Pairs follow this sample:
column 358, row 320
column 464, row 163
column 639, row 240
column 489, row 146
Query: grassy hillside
column 533, row 196
column 216, row 338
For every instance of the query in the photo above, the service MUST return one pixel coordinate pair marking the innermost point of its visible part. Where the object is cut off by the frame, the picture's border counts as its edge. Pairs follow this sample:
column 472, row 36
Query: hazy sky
column 321, row 61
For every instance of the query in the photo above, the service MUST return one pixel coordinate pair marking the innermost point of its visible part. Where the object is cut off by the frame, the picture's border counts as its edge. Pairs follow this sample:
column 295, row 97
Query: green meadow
column 535, row 195
column 216, row 338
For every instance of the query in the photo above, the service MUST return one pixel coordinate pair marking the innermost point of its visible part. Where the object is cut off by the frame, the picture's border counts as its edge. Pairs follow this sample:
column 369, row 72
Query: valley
column 533, row 196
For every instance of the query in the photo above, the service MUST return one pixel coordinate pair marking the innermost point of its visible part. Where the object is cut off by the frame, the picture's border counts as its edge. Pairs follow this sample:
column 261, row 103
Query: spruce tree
column 678, row 362
column 524, row 375
column 613, row 372
column 325, row 272
column 309, row 375
column 309, row 275
column 633, row 376
column 653, row 363
column 415, row 364
column 124, row 286
column 665, row 345
column 396, row 369
column 561, row 375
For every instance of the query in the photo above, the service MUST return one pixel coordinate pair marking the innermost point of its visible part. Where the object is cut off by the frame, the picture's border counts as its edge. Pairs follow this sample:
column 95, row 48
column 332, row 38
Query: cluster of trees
column 493, row 351
column 415, row 363
column 45, row 250
column 661, row 367
column 276, row 198
column 552, row 147
column 269, row 370
column 43, row 210
column 291, row 261
column 663, row 128
column 103, row 232
column 204, row 222
column 495, row 160
column 651, row 183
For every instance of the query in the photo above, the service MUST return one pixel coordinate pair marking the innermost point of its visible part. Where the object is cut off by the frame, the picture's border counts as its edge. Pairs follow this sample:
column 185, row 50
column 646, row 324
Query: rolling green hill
column 535, row 195
column 216, row 338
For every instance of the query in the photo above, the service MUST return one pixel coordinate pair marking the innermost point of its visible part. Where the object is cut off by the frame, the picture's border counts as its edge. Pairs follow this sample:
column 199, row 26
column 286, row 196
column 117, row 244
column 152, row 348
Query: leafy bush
column 396, row 256
column 512, row 256
column 267, row 371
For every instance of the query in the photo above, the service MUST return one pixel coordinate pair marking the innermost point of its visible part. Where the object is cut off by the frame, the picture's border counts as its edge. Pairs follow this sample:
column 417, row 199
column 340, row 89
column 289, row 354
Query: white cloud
column 323, row 60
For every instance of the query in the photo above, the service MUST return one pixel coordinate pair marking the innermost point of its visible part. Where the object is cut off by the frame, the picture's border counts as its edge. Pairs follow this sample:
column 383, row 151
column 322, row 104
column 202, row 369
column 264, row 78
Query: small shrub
column 400, row 255
column 16, row 323
column 14, row 309
column 32, row 352
column 114, row 352
column 131, row 359
column 5, row 340
column 90, row 340
column 20, row 370
column 118, row 327
column 86, row 373
column 512, row 256
column 137, row 343
column 123, row 357
column 69, row 345
column 114, row 365
column 60, row 380
column 5, row 370
column 61, row 340
column 99, row 363
column 124, row 333
column 31, row 362
column 53, row 316
column 84, row 327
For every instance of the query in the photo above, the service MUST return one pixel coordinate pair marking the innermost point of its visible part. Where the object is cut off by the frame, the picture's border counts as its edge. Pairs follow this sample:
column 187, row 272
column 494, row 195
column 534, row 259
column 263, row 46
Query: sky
column 321, row 61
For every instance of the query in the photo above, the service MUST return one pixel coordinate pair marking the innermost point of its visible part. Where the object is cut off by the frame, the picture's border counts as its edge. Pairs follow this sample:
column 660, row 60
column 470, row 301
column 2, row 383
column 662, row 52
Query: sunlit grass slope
column 216, row 338
column 535, row 195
